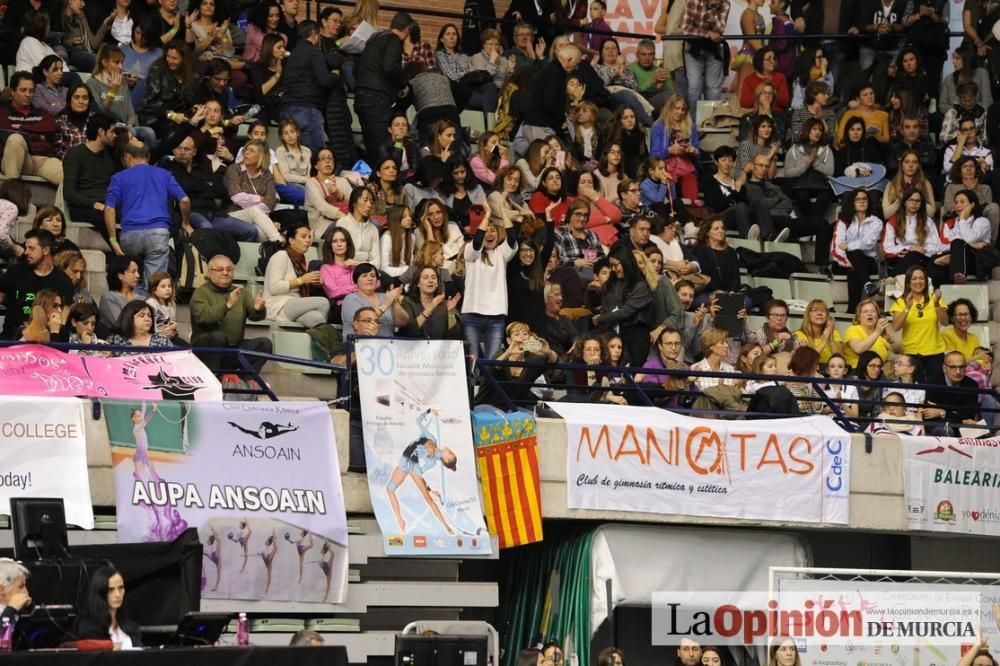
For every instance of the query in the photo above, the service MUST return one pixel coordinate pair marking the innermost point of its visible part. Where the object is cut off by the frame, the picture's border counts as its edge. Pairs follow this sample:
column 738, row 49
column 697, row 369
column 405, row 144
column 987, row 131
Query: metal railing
column 680, row 400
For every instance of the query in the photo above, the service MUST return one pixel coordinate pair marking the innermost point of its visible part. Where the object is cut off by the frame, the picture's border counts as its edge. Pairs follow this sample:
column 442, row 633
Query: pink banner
column 168, row 375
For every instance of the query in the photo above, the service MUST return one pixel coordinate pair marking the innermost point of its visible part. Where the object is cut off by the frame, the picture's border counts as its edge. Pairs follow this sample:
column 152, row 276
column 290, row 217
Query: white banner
column 418, row 447
column 951, row 484
column 44, row 454
column 260, row 481
column 655, row 461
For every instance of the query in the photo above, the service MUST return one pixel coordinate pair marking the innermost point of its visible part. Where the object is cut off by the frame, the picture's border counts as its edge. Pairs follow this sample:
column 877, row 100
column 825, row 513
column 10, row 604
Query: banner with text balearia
column 260, row 481
column 418, row 447
column 44, row 454
column 655, row 461
column 168, row 375
column 951, row 484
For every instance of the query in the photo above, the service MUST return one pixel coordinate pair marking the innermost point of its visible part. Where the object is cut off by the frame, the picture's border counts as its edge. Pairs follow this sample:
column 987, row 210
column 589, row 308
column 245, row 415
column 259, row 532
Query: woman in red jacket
column 765, row 63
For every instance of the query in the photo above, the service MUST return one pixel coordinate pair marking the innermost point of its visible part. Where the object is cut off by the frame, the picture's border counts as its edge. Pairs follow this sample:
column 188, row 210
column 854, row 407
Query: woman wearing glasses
column 869, row 332
column 920, row 315
column 869, row 397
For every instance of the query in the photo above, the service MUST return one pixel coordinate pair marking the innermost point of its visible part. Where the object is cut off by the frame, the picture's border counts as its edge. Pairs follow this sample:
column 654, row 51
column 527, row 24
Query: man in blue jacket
column 306, row 82
column 145, row 195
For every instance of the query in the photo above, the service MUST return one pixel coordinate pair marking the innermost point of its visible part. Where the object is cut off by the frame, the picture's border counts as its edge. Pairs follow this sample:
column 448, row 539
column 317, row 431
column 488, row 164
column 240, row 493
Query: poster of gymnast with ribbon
column 418, row 447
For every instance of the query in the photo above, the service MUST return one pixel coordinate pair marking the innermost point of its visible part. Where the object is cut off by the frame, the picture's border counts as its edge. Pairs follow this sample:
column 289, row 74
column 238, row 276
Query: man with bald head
column 946, row 409
column 220, row 310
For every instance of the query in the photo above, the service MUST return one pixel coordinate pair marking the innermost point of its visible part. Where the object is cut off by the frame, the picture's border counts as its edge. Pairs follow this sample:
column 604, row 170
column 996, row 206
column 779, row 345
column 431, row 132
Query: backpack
column 266, row 250
column 196, row 251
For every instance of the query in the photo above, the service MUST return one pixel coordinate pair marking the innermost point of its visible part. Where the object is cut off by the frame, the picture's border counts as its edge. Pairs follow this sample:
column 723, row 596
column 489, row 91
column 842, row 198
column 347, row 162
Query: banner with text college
column 44, row 454
column 168, row 375
column 655, row 461
column 418, row 447
column 260, row 481
column 951, row 484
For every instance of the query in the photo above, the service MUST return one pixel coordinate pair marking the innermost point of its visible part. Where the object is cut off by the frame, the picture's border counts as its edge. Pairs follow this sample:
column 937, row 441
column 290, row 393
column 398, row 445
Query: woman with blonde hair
column 817, row 330
column 869, row 332
column 111, row 92
column 252, row 190
column 675, row 141
column 74, row 265
column 48, row 319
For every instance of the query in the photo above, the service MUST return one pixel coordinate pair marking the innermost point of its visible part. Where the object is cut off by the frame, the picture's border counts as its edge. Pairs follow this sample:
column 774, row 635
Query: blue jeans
column 704, row 74
column 487, row 329
column 291, row 193
column 628, row 98
column 151, row 247
column 224, row 224
column 310, row 121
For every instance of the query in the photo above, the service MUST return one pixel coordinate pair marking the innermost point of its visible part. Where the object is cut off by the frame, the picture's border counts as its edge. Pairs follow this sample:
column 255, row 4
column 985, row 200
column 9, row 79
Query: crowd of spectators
column 589, row 222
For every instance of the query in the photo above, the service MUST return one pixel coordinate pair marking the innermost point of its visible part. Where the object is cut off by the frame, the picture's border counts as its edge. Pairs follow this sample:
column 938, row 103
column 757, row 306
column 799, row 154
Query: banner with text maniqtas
column 651, row 460
column 44, row 454
column 260, row 481
column 418, row 447
column 951, row 484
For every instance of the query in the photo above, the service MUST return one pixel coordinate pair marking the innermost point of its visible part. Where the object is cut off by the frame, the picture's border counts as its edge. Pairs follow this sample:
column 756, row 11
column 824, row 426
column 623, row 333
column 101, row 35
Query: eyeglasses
column 580, row 213
column 227, row 269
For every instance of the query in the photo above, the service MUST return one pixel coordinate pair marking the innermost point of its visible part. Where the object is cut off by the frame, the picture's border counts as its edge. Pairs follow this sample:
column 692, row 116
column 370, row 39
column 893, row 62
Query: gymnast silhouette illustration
column 302, row 546
column 419, row 456
column 243, row 540
column 326, row 565
column 267, row 555
column 266, row 430
column 214, row 555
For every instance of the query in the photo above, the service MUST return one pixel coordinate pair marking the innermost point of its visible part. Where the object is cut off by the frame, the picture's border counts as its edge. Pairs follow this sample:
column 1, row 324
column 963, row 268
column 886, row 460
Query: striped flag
column 507, row 456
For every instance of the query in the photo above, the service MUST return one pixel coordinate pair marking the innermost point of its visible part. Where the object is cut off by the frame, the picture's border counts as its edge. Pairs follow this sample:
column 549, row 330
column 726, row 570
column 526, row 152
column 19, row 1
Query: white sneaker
column 753, row 233
column 782, row 235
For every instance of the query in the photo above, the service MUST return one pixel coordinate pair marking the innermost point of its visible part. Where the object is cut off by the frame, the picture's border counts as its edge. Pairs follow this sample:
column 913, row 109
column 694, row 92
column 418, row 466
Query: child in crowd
column 656, row 182
column 762, row 365
column 162, row 300
column 894, row 418
column 598, row 27
column 967, row 108
column 295, row 161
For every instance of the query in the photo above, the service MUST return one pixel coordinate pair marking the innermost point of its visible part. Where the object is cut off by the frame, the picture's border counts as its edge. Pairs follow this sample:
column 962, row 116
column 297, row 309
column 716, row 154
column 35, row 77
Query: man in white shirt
column 967, row 143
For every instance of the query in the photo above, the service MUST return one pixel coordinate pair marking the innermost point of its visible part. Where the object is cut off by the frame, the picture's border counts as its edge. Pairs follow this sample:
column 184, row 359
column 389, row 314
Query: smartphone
column 560, row 159
column 533, row 345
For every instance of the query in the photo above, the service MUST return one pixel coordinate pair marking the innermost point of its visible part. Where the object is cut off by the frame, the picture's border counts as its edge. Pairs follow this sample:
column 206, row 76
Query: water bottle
column 7, row 636
column 243, row 631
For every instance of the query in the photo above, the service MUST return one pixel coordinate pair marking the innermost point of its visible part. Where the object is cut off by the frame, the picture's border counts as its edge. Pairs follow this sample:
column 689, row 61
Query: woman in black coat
column 103, row 616
column 625, row 300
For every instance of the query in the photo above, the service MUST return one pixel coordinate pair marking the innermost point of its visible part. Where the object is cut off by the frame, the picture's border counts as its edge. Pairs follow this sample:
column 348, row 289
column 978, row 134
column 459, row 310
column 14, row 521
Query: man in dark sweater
column 306, row 80
column 22, row 123
column 35, row 272
column 220, row 310
column 206, row 190
column 910, row 140
column 380, row 83
column 87, row 170
column 947, row 410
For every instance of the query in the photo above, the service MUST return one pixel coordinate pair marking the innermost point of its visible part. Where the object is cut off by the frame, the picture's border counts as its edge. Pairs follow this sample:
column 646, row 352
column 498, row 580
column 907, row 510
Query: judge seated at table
column 13, row 589
column 103, row 616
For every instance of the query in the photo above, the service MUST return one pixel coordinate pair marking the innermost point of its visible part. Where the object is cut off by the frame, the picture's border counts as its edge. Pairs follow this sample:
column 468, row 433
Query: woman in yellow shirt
column 817, row 331
column 920, row 316
column 870, row 332
column 957, row 337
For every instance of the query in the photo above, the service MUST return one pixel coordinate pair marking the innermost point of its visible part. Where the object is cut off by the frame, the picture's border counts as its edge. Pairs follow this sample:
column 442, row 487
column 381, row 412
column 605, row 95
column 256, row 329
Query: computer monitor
column 45, row 627
column 441, row 650
column 196, row 629
column 39, row 528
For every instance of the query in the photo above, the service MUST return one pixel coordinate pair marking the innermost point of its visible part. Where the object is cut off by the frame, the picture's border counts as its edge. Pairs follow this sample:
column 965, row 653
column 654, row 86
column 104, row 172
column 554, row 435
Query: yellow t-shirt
column 954, row 343
column 826, row 352
column 921, row 334
column 856, row 332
